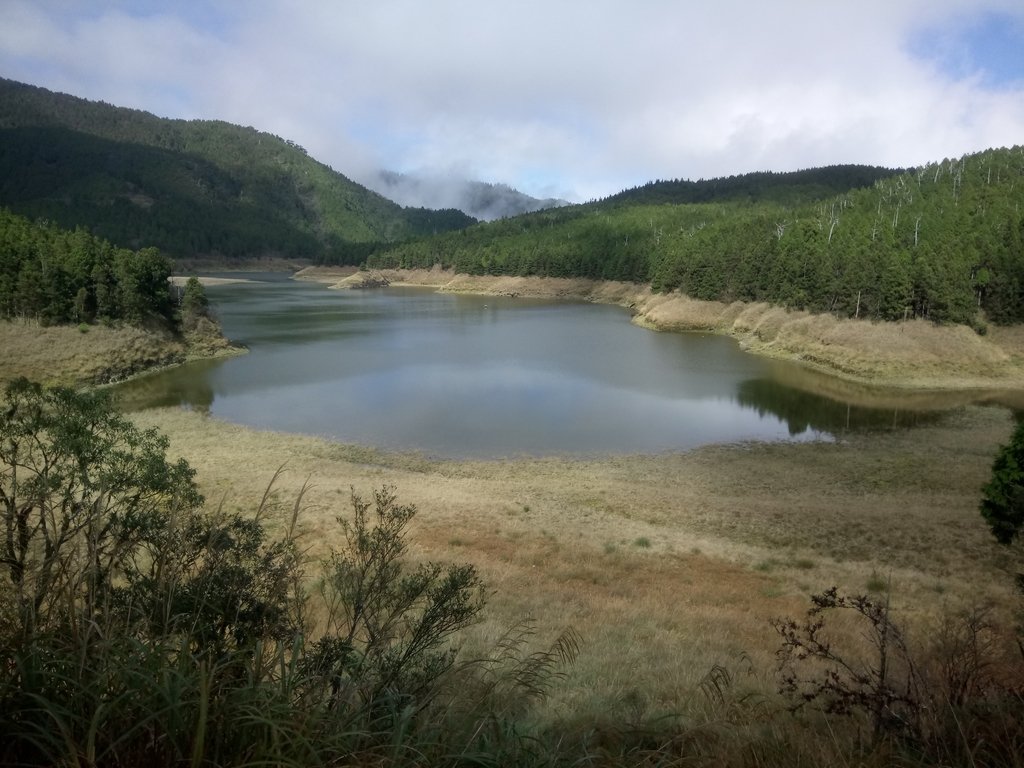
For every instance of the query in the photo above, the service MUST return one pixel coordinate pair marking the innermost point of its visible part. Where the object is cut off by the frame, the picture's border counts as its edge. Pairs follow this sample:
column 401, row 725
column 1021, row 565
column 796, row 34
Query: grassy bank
column 92, row 354
column 666, row 565
column 914, row 354
column 97, row 354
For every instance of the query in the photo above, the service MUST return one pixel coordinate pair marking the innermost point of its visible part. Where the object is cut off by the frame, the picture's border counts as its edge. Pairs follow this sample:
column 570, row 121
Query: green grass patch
column 877, row 583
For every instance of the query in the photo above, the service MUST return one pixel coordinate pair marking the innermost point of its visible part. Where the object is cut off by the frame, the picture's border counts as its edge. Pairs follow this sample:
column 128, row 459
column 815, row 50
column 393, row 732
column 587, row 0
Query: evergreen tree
column 1002, row 503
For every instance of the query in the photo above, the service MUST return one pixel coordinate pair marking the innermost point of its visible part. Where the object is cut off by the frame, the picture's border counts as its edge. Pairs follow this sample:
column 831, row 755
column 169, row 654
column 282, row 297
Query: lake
column 461, row 376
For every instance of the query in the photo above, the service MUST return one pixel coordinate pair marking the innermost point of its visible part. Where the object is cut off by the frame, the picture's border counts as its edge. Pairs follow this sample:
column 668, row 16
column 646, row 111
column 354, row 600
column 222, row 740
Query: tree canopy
column 59, row 276
column 1002, row 502
column 188, row 187
column 939, row 242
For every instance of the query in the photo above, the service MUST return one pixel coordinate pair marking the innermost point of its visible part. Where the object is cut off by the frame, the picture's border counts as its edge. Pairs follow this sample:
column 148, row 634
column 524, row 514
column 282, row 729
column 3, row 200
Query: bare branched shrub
column 815, row 666
column 965, row 652
column 953, row 699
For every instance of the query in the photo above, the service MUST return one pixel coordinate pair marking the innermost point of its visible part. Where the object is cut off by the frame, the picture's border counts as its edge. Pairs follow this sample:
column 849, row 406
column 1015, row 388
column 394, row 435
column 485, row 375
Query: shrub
column 814, row 668
column 83, row 495
column 950, row 702
column 139, row 629
column 1002, row 503
column 388, row 624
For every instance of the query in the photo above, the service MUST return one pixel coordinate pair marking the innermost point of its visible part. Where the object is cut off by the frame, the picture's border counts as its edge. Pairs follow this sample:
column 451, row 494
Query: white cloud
column 580, row 97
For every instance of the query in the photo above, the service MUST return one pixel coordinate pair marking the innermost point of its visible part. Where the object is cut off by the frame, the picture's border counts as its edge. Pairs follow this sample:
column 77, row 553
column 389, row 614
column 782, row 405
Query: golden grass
column 734, row 535
column 66, row 355
column 664, row 564
column 914, row 354
column 96, row 354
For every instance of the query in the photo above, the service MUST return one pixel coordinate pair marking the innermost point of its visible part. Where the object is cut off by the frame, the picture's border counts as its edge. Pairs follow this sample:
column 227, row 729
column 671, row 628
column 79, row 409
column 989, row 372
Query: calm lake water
column 469, row 376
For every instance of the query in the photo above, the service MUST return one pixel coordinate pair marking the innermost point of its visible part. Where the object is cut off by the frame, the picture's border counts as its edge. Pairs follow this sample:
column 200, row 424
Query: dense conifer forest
column 195, row 187
column 54, row 275
column 940, row 242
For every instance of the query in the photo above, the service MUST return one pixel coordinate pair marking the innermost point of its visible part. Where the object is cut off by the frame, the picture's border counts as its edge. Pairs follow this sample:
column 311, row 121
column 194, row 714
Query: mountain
column 478, row 199
column 943, row 242
column 789, row 188
column 195, row 187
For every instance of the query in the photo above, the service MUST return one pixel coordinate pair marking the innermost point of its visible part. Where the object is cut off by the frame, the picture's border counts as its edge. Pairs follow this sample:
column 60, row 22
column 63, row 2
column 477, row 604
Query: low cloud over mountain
column 476, row 198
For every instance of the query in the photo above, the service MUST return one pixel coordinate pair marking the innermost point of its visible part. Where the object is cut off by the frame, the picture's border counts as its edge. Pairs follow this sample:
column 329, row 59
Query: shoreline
column 909, row 355
column 99, row 355
column 685, row 556
column 181, row 280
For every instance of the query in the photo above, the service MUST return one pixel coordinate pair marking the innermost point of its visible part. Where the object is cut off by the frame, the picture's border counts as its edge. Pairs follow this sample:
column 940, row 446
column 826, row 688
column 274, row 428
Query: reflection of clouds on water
column 487, row 376
column 499, row 410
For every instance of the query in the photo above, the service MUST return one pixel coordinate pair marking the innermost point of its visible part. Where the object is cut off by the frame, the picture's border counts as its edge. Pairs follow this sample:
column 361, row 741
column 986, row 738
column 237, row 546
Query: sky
column 575, row 99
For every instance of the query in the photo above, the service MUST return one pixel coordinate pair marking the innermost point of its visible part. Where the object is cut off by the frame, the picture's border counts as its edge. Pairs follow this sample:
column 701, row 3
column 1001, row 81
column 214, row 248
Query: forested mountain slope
column 789, row 188
column 939, row 242
column 187, row 187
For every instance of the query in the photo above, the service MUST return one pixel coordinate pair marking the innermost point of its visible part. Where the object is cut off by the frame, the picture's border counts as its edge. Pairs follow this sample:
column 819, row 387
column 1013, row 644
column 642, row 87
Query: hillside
column 792, row 188
column 188, row 187
column 940, row 242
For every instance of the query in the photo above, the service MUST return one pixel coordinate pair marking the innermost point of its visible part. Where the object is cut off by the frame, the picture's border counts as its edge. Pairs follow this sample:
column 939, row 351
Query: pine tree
column 1002, row 503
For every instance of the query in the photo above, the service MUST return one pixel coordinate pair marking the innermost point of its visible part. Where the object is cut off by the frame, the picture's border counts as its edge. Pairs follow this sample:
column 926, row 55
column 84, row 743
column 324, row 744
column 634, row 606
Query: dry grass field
column 95, row 354
column 665, row 565
column 88, row 355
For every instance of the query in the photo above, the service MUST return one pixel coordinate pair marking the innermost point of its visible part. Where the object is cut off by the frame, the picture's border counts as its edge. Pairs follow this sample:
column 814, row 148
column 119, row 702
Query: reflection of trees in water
column 187, row 386
column 802, row 410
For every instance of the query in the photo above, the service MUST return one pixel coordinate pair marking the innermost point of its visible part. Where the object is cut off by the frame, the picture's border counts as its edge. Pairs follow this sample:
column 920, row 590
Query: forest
column 188, row 187
column 54, row 275
column 940, row 242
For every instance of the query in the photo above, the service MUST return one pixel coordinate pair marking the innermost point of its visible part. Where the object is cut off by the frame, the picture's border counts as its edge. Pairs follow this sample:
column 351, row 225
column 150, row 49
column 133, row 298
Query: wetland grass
column 737, row 535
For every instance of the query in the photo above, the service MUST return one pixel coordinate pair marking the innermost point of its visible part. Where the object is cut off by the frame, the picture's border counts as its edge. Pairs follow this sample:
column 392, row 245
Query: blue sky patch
column 989, row 46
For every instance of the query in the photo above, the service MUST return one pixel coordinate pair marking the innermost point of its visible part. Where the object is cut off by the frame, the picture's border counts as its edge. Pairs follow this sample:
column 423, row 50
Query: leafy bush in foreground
column 135, row 628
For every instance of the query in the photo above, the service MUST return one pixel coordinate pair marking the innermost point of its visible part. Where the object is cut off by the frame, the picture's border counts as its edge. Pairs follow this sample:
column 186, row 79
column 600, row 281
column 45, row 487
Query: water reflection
column 471, row 376
column 187, row 386
column 804, row 411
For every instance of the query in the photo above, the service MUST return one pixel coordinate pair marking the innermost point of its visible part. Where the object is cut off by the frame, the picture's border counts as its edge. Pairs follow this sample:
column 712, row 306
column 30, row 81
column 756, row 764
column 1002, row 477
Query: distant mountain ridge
column 783, row 188
column 479, row 199
column 193, row 187
column 943, row 242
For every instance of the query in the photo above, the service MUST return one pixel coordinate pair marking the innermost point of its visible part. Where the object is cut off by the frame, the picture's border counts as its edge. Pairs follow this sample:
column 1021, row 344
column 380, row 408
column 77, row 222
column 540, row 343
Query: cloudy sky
column 569, row 98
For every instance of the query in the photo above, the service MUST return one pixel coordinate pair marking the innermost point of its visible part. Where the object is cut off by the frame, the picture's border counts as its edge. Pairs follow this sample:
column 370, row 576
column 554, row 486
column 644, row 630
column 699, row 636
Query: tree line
column 940, row 242
column 786, row 188
column 55, row 275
